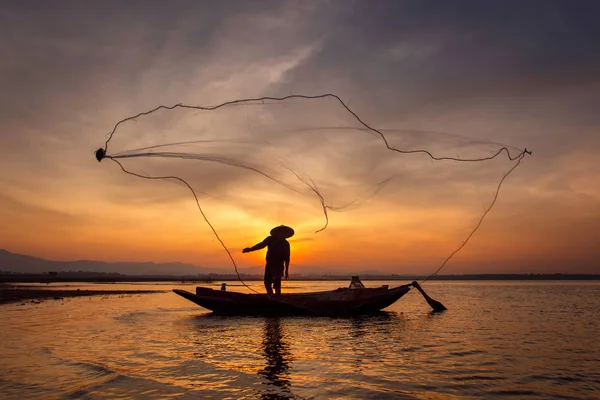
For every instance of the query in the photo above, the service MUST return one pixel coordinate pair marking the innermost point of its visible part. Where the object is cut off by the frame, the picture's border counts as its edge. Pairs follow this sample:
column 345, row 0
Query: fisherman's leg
column 277, row 286
column 278, row 270
column 268, row 287
column 268, row 280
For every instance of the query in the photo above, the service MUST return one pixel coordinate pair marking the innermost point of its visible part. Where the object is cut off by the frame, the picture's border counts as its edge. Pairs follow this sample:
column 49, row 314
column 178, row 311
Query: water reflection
column 277, row 356
column 357, row 332
column 364, row 330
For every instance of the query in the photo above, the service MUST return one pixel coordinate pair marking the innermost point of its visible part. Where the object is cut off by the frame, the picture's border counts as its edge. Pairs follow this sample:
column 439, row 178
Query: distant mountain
column 19, row 263
column 24, row 264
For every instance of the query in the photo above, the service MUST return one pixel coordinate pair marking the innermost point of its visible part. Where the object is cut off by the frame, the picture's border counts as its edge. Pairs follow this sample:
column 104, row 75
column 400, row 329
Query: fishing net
column 312, row 163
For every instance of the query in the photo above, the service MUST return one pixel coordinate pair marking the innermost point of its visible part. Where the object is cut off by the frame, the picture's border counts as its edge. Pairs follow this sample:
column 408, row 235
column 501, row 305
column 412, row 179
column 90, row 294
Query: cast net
column 302, row 161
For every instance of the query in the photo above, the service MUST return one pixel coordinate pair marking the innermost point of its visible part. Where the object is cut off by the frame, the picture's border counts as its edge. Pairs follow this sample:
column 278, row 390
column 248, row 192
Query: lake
column 532, row 340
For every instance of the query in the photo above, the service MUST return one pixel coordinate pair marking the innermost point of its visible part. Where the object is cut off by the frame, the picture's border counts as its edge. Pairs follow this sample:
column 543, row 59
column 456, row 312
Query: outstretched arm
column 258, row 246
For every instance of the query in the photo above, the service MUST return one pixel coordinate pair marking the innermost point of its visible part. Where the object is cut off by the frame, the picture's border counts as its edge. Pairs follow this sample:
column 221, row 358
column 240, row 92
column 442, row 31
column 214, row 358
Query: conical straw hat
column 282, row 231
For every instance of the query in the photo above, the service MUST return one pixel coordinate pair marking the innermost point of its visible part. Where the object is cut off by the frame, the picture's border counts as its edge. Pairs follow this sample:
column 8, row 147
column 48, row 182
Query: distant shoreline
column 11, row 294
column 118, row 278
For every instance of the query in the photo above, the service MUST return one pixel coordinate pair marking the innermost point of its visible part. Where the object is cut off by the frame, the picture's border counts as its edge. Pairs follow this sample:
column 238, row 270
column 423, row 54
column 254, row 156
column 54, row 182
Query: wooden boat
column 342, row 301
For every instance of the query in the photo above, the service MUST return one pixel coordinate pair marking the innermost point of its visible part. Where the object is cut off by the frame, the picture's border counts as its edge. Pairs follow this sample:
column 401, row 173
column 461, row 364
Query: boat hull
column 342, row 301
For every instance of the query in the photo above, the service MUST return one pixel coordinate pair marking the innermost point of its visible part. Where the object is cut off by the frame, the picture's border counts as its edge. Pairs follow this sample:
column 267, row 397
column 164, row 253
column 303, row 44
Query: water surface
column 498, row 340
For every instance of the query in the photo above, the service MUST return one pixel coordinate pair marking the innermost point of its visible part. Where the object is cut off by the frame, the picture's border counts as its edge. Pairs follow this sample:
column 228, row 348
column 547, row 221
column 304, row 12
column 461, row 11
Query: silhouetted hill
column 24, row 264
column 149, row 271
column 19, row 263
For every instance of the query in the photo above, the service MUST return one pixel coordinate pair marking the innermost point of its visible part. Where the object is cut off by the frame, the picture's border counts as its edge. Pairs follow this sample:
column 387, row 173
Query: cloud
column 518, row 73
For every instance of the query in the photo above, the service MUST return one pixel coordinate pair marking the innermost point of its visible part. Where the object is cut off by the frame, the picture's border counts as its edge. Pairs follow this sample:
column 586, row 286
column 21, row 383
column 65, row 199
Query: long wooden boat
column 342, row 301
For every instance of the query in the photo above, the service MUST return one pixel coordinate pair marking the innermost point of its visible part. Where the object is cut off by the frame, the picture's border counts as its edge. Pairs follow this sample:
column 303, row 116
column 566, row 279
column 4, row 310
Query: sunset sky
column 525, row 74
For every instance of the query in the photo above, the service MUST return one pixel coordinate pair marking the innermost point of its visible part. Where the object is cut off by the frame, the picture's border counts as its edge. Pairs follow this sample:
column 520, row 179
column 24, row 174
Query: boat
column 353, row 300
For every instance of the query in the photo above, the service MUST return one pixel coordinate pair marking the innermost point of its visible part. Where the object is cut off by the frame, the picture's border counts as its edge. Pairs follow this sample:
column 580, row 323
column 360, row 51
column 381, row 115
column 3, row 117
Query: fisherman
column 278, row 257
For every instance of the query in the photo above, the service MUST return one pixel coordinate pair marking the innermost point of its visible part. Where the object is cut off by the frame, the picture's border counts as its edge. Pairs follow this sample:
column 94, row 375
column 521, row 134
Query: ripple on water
column 492, row 343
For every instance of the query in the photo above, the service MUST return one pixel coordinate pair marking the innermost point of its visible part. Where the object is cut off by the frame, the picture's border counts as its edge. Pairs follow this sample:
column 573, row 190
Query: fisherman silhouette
column 278, row 257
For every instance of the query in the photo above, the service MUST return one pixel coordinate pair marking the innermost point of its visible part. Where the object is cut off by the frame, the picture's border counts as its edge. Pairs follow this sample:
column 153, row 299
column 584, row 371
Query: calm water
column 498, row 340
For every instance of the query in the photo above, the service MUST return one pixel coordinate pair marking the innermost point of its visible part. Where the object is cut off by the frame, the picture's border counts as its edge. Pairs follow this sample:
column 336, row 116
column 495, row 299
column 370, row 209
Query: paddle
column 435, row 305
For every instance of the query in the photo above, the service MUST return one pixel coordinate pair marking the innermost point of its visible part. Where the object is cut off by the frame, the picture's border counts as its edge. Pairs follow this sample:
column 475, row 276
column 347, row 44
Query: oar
column 435, row 305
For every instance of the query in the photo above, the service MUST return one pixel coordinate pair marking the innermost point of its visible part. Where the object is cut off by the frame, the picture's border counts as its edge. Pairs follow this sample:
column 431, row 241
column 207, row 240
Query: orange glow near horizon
column 395, row 241
column 378, row 238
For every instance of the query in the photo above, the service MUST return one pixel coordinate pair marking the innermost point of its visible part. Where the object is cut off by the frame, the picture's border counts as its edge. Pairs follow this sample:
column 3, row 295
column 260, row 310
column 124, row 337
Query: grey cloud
column 455, row 51
column 523, row 73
